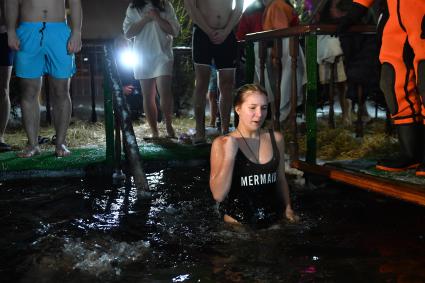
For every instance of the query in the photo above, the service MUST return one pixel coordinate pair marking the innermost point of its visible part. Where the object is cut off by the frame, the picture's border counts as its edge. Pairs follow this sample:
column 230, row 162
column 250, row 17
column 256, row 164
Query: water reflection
column 90, row 231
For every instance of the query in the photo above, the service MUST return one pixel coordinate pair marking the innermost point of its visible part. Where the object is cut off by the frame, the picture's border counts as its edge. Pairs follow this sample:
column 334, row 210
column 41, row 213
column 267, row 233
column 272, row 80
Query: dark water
column 89, row 231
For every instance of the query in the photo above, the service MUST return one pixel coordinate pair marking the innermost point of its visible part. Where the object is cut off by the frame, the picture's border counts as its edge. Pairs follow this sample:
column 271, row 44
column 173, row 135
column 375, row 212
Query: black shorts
column 6, row 54
column 204, row 51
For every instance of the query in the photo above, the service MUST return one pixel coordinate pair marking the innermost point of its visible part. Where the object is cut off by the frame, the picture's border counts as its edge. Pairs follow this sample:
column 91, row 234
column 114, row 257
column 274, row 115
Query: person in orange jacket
column 402, row 56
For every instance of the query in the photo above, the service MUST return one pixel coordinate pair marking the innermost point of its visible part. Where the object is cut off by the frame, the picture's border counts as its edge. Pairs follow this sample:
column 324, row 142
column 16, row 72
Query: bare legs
column 5, row 73
column 212, row 98
column 226, row 79
column 61, row 102
column 149, row 88
column 345, row 103
column 30, row 114
column 163, row 84
column 202, row 78
column 149, row 105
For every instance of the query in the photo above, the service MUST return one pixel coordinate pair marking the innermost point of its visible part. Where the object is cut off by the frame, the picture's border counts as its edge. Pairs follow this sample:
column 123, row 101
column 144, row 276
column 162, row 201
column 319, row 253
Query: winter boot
column 420, row 171
column 409, row 137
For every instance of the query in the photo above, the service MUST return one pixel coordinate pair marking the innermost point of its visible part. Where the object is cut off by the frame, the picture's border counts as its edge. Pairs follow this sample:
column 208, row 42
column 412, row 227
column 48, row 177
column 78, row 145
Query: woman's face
column 253, row 110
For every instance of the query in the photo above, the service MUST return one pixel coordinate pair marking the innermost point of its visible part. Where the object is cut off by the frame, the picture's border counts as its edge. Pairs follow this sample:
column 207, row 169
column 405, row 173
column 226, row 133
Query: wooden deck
column 362, row 174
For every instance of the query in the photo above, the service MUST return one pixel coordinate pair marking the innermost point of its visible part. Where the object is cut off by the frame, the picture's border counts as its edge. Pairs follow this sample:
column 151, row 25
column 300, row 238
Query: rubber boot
column 410, row 156
column 420, row 171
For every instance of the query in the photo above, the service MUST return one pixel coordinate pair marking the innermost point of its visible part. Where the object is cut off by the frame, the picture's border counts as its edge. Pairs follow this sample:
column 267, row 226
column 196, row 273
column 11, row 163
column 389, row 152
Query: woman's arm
column 133, row 24
column 171, row 18
column 223, row 153
column 289, row 213
column 137, row 27
column 163, row 23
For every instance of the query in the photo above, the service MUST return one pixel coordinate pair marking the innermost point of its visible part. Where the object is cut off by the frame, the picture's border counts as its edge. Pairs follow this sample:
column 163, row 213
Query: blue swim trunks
column 43, row 50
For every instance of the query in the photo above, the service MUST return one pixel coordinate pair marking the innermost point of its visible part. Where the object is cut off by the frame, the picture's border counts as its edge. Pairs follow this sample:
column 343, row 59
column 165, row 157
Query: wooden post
column 92, row 87
column 239, row 53
column 360, row 111
column 331, row 120
column 109, row 118
column 262, row 50
column 311, row 99
column 276, row 57
column 293, row 52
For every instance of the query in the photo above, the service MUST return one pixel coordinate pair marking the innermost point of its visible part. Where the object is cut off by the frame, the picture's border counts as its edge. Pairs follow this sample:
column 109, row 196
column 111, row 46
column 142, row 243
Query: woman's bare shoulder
column 220, row 140
column 277, row 135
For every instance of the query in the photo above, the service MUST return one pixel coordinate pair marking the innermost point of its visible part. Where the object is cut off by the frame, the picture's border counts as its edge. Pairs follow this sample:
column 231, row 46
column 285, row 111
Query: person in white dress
column 152, row 24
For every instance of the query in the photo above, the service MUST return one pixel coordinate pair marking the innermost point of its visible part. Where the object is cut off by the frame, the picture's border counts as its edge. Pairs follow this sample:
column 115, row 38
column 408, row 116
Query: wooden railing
column 309, row 32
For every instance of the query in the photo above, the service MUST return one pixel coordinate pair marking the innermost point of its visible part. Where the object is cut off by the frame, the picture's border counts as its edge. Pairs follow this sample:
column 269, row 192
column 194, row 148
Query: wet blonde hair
column 241, row 93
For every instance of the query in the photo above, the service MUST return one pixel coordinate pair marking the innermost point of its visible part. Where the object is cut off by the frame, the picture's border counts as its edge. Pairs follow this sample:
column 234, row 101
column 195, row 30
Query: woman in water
column 247, row 166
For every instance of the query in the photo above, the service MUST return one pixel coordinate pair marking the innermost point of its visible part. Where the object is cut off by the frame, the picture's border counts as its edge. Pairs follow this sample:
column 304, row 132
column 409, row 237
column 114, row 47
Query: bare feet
column 29, row 151
column 62, row 151
column 170, row 132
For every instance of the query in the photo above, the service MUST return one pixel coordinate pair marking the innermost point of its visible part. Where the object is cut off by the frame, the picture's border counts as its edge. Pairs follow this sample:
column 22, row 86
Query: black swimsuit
column 254, row 197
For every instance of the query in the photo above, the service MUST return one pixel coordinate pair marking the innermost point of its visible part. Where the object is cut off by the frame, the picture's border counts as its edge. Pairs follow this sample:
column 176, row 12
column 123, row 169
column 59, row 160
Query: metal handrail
column 122, row 117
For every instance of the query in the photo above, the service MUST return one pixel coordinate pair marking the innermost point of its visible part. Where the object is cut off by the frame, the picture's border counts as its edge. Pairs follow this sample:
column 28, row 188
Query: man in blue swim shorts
column 6, row 58
column 213, row 41
column 45, row 45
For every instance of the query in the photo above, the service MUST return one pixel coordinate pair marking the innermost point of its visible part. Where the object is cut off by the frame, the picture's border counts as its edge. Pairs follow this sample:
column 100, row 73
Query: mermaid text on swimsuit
column 259, row 179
